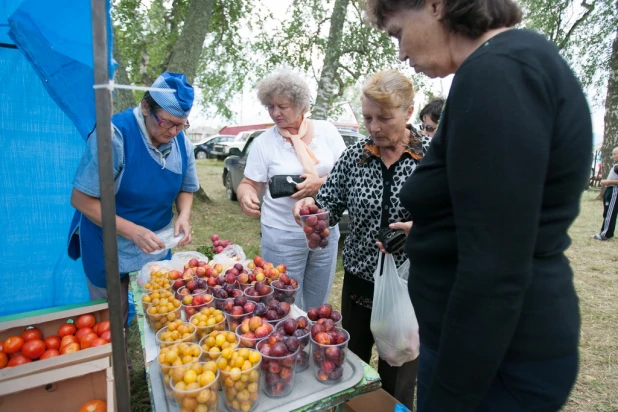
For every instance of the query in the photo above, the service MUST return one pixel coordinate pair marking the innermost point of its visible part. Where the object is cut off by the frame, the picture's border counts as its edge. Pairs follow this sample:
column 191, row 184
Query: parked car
column 203, row 148
column 222, row 150
column 234, row 170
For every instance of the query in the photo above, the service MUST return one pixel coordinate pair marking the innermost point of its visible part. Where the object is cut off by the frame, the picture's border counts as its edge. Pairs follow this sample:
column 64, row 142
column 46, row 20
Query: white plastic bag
column 393, row 321
column 183, row 257
column 167, row 237
column 231, row 255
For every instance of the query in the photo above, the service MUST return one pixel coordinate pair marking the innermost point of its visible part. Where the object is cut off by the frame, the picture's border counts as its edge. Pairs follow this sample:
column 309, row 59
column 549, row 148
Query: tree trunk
column 328, row 77
column 188, row 48
column 123, row 99
column 610, row 136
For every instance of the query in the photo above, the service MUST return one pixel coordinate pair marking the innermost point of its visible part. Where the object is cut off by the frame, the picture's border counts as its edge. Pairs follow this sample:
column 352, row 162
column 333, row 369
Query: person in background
column 492, row 202
column 610, row 206
column 154, row 169
column 430, row 116
column 296, row 145
column 366, row 181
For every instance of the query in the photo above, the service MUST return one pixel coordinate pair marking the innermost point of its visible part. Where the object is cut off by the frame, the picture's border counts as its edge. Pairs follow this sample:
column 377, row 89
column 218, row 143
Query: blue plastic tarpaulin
column 46, row 111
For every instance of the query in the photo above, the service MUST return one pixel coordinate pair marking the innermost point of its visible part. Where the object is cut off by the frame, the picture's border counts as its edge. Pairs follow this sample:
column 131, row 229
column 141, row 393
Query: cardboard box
column 61, row 383
column 48, row 321
column 61, row 389
column 376, row 401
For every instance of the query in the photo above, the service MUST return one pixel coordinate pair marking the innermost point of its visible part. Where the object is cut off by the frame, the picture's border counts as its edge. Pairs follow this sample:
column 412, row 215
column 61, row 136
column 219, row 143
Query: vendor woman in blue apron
column 154, row 168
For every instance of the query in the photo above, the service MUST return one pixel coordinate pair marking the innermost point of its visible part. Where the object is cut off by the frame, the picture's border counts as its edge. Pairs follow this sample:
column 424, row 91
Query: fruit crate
column 48, row 321
column 61, row 389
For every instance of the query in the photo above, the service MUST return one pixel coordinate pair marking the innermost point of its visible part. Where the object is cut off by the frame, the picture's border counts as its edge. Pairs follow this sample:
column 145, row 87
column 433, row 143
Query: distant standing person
column 610, row 209
column 430, row 116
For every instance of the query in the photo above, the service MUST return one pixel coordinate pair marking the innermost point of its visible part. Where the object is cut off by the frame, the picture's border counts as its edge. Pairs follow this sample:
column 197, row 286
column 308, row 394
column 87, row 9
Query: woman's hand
column 298, row 205
column 309, row 187
column 146, row 240
column 250, row 204
column 405, row 226
column 182, row 225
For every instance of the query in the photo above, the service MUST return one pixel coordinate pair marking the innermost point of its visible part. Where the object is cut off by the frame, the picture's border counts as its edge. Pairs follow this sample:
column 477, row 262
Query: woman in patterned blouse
column 366, row 181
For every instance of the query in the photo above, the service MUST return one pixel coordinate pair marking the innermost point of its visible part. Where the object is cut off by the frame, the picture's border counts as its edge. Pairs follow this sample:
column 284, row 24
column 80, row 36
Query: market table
column 369, row 381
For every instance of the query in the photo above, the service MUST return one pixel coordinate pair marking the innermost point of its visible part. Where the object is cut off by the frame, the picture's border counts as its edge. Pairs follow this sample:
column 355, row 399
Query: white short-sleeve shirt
column 272, row 155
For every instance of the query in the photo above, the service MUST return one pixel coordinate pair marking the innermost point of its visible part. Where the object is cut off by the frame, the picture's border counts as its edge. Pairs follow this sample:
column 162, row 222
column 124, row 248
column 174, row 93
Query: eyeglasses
column 430, row 129
column 166, row 124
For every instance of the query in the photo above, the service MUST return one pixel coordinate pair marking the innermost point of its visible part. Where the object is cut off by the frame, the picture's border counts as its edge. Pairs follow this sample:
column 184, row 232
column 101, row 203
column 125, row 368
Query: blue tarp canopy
column 47, row 110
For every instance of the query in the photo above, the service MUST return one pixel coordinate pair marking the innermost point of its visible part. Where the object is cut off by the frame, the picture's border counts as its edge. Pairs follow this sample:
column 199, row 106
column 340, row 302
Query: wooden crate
column 61, row 389
column 48, row 321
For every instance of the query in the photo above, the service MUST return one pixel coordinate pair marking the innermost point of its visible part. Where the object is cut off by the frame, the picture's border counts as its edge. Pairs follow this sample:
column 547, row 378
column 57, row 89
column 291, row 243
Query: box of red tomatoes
column 59, row 356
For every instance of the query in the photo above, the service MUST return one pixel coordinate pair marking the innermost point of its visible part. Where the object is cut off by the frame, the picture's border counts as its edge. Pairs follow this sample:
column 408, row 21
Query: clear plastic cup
column 303, row 355
column 212, row 350
column 148, row 299
column 233, row 321
column 245, row 341
column 190, row 310
column 182, row 281
column 285, row 295
column 165, row 337
column 316, row 229
column 202, row 397
column 328, row 360
column 265, row 298
column 171, row 365
column 179, row 294
column 277, row 371
column 275, row 322
column 160, row 320
column 215, row 321
column 241, row 388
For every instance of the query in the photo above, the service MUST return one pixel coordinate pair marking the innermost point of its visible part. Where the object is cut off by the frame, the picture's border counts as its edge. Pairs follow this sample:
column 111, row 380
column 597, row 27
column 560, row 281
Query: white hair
column 285, row 83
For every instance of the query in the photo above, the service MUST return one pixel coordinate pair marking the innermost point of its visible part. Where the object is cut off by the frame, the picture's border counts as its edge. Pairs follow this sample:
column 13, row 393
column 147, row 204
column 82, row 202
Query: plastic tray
column 307, row 389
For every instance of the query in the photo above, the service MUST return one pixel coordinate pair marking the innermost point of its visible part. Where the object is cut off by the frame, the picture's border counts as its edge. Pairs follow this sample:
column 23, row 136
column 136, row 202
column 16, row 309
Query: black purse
column 283, row 185
column 392, row 240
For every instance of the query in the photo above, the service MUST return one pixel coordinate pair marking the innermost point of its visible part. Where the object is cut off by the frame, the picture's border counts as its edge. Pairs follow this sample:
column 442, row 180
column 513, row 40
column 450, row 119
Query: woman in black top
column 491, row 203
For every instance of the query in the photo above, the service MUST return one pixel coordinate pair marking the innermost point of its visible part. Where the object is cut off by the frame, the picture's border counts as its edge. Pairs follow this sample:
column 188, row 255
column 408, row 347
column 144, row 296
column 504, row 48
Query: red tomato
column 107, row 335
column 18, row 360
column 12, row 344
column 83, row 331
column 32, row 333
column 95, row 328
column 66, row 329
column 85, row 321
column 98, row 342
column 52, row 342
column 103, row 327
column 50, row 353
column 69, row 348
column 4, row 359
column 93, row 406
column 86, row 340
column 68, row 339
column 33, row 349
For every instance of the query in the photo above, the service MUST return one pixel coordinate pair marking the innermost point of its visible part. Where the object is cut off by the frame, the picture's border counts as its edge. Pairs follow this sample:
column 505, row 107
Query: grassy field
column 596, row 279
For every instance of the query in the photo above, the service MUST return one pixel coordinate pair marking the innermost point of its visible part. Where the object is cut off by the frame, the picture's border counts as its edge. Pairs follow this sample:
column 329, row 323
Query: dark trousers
column 400, row 382
column 539, row 386
column 610, row 210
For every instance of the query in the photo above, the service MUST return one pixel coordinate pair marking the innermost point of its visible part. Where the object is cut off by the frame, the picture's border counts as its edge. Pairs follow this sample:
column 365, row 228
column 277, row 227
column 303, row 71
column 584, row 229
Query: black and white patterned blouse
column 361, row 183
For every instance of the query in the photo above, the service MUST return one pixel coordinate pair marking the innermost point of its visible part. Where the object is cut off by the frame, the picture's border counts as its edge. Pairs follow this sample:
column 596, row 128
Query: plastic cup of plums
column 315, row 226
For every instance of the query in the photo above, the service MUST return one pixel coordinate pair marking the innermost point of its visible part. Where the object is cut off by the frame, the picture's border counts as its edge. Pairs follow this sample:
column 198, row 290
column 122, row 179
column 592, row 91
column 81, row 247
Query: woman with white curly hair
column 296, row 145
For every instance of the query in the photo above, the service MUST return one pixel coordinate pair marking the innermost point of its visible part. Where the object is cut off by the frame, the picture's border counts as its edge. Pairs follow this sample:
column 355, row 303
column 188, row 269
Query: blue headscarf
column 178, row 103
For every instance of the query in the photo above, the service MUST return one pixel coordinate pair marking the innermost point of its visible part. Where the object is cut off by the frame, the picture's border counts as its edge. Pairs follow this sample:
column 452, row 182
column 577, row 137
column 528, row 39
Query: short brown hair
column 433, row 109
column 390, row 90
column 470, row 18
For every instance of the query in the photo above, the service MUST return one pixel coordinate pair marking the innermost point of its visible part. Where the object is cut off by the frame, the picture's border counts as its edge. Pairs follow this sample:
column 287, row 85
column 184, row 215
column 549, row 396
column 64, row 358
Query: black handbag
column 283, row 185
column 392, row 240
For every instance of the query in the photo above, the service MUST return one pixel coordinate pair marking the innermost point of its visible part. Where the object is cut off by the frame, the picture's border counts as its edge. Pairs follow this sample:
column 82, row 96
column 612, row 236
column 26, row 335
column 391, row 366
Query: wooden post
column 103, row 102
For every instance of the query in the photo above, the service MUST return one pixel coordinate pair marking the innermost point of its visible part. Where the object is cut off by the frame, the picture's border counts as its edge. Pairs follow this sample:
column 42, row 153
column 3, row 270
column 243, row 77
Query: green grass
column 596, row 279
